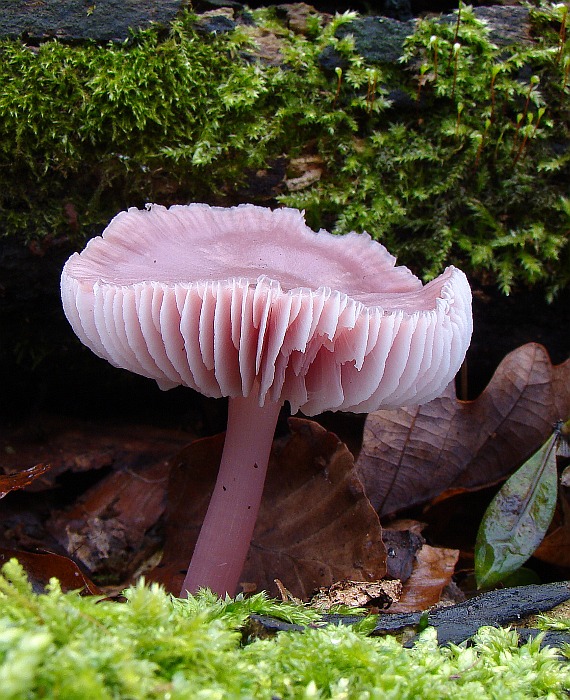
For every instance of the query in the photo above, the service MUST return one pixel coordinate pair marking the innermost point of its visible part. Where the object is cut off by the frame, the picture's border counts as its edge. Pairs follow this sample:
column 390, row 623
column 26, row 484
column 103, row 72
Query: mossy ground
column 62, row 645
column 470, row 168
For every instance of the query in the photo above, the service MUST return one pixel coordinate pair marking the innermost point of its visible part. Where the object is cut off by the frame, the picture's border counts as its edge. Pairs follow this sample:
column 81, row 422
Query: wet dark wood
column 457, row 623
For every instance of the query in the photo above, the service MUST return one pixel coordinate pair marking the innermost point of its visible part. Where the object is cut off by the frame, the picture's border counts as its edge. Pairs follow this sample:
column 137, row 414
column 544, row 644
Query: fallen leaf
column 432, row 572
column 102, row 500
column 517, row 518
column 109, row 529
column 412, row 455
column 192, row 477
column 41, row 567
column 555, row 547
column 21, row 479
column 72, row 446
column 315, row 524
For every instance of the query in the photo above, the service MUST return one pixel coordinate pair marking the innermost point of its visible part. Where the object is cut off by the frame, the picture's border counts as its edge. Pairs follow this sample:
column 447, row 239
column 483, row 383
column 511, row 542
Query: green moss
column 476, row 173
column 471, row 171
column 62, row 645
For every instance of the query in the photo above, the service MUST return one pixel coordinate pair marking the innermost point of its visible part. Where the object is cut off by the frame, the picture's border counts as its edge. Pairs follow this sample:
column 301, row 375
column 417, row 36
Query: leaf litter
column 319, row 525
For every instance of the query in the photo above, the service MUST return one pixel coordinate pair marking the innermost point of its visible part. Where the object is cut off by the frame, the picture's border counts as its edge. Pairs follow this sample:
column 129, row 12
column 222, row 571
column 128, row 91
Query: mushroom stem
column 224, row 539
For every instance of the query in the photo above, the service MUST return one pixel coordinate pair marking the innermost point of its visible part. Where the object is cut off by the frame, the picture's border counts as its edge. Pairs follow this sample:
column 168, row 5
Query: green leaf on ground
column 518, row 517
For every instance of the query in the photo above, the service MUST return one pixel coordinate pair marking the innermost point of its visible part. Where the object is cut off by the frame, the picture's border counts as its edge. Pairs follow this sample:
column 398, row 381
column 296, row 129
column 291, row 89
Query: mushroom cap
column 234, row 300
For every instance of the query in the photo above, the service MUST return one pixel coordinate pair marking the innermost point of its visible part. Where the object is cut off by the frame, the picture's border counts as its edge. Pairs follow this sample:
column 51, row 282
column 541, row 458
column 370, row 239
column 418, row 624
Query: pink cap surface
column 231, row 301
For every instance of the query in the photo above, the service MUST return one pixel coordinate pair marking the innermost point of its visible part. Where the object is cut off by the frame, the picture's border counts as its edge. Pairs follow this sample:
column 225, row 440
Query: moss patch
column 460, row 153
column 60, row 645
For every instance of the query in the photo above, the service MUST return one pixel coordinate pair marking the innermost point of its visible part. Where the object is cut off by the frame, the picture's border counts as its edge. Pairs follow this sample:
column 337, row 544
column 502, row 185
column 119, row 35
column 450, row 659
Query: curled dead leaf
column 412, row 455
column 432, row 572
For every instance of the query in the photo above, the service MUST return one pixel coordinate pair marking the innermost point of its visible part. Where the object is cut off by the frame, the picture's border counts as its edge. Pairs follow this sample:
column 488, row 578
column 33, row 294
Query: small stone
column 378, row 39
column 508, row 25
column 297, row 14
column 77, row 20
column 216, row 21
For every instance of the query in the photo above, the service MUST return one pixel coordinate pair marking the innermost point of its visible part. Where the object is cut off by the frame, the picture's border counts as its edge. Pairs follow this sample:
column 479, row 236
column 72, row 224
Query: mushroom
column 249, row 303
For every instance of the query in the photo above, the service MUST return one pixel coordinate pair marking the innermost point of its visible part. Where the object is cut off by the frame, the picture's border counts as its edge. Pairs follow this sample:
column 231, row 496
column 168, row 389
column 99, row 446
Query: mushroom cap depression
column 234, row 300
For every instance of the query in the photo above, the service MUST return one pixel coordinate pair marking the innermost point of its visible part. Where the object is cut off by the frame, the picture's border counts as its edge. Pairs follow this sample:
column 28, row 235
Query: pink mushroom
column 251, row 304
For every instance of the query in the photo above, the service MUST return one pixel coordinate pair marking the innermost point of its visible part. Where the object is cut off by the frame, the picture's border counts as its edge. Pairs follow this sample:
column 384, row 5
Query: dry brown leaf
column 21, row 479
column 42, row 566
column 107, row 529
column 412, row 455
column 555, row 547
column 102, row 498
column 432, row 572
column 191, row 482
column 315, row 524
column 76, row 446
